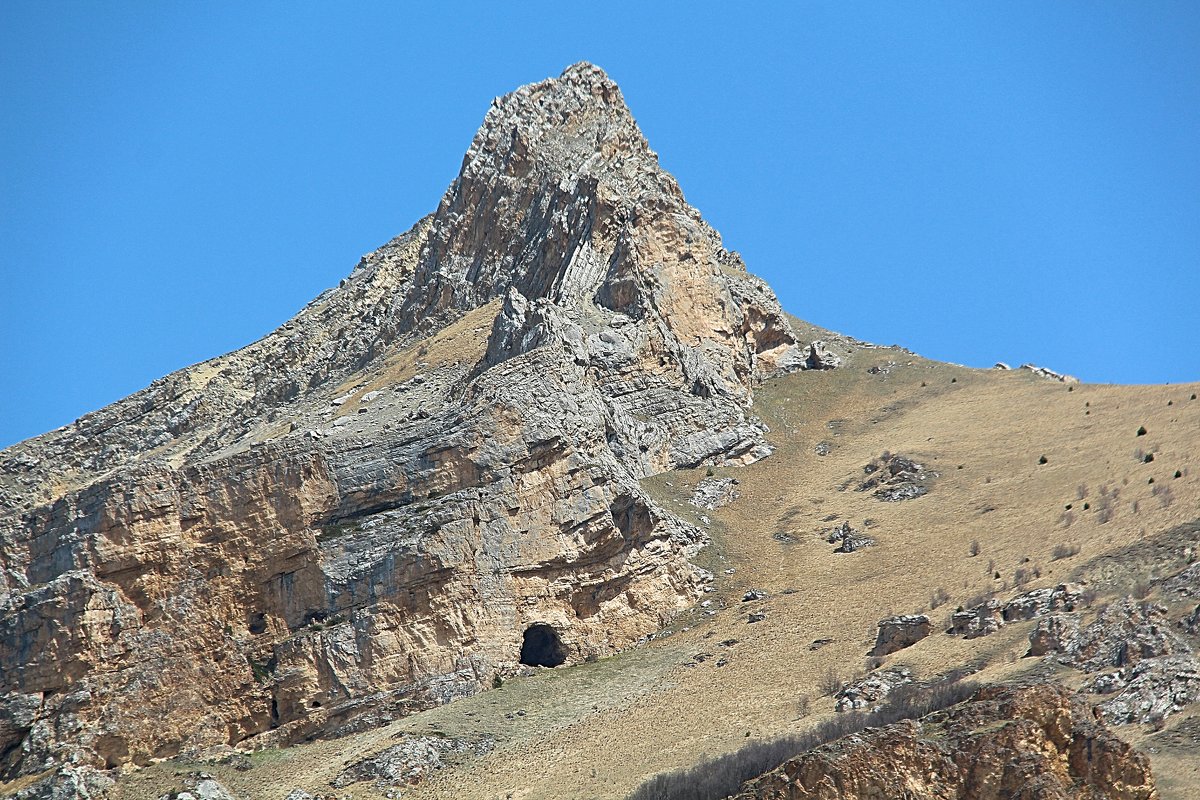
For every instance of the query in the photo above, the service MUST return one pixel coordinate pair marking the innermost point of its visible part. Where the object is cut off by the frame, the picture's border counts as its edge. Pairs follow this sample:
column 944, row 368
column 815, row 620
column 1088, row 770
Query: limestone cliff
column 362, row 513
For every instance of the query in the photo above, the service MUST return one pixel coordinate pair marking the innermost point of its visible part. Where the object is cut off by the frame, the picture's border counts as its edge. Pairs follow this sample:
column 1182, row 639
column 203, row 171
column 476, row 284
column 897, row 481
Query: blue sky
column 976, row 181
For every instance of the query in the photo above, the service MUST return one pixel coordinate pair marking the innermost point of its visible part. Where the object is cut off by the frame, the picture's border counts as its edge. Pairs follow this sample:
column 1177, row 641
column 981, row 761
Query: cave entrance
column 542, row 647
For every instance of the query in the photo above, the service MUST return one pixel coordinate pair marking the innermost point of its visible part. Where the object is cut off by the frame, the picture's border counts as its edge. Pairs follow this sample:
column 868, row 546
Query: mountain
column 549, row 496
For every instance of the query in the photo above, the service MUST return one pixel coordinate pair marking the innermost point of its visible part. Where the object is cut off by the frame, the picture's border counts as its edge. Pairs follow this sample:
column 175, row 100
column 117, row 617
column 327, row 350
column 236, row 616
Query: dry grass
column 599, row 730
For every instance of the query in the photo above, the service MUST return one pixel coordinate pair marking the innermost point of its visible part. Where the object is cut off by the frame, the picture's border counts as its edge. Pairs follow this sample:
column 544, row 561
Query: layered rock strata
column 362, row 513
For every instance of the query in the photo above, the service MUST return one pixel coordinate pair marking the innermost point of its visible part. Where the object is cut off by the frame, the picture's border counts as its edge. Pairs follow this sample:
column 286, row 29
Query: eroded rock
column 870, row 690
column 1015, row 742
column 899, row 632
column 235, row 553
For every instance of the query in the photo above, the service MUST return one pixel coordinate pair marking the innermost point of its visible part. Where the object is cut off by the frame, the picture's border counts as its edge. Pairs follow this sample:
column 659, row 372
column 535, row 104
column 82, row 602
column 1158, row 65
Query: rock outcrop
column 991, row 615
column 1146, row 672
column 362, row 513
column 1025, row 743
column 899, row 632
column 870, row 690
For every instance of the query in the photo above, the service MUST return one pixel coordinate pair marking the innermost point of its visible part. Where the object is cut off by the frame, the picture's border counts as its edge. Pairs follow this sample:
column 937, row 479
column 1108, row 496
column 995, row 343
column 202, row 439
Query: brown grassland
column 599, row 729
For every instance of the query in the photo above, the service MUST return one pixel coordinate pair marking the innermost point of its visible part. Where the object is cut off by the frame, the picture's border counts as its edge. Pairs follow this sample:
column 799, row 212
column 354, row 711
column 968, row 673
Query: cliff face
column 1020, row 743
column 362, row 513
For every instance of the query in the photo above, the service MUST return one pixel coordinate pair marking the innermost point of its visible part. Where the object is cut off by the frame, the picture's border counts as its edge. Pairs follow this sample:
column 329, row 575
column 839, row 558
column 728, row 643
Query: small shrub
column 1043, row 460
column 1141, row 590
column 1149, row 457
column 709, row 472
column 1081, row 492
column 1062, row 551
column 1022, row 576
column 974, row 548
column 1178, row 474
column 804, row 706
column 1141, row 431
column 939, row 598
column 497, row 681
column 991, row 565
column 830, row 683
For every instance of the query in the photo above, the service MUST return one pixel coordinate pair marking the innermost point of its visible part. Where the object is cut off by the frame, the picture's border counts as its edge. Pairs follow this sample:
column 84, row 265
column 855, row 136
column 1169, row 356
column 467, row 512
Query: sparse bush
column 1081, row 492
column 1067, row 518
column 1141, row 590
column 1021, row 577
column 1043, row 460
column 830, row 682
column 939, row 598
column 991, row 565
column 974, row 548
column 1062, row 551
column 1141, row 431
column 1149, row 457
column 804, row 706
column 1166, row 497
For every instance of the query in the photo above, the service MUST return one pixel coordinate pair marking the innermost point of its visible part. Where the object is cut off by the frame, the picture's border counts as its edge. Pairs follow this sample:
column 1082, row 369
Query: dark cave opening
column 542, row 647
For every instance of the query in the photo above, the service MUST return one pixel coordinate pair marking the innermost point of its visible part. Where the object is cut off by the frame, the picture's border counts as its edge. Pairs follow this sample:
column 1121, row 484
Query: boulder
column 899, row 632
column 867, row 692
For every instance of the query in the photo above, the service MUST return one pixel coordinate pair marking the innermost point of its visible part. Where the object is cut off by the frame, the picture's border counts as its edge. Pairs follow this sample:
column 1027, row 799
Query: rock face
column 362, row 513
column 870, row 690
column 1023, row 743
column 1146, row 671
column 991, row 615
column 893, row 477
column 899, row 632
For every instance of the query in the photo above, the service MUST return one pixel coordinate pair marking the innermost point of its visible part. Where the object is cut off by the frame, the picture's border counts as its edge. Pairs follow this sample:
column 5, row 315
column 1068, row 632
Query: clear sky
column 976, row 181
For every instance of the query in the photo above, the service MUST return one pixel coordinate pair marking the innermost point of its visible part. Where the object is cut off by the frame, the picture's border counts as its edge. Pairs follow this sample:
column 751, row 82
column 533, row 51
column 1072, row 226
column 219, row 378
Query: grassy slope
column 597, row 730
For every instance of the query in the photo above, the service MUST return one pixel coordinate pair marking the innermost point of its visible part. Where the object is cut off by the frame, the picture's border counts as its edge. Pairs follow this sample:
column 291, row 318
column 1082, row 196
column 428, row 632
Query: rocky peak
column 368, row 510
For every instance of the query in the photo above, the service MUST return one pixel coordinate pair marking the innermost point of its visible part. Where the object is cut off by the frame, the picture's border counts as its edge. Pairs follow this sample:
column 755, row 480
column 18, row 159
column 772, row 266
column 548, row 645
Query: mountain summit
column 424, row 481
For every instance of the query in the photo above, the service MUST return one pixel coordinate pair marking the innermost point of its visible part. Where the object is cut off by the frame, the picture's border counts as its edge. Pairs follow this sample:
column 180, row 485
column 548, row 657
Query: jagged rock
column 1155, row 674
column 1054, row 634
column 1124, row 632
column 713, row 493
column 754, row 594
column 233, row 553
column 899, row 632
column 1191, row 623
column 203, row 788
column 1013, row 742
column 299, row 794
column 67, row 782
column 1150, row 690
column 981, row 620
column 867, row 692
column 1042, row 372
column 894, row 477
column 1185, row 584
column 848, row 539
column 1001, row 365
column 407, row 763
column 820, row 357
column 991, row 615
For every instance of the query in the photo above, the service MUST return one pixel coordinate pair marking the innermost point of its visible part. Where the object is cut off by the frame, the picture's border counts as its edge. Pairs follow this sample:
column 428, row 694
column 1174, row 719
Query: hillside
column 448, row 514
